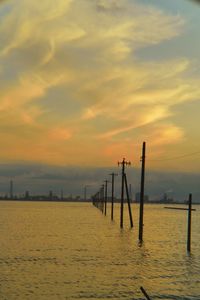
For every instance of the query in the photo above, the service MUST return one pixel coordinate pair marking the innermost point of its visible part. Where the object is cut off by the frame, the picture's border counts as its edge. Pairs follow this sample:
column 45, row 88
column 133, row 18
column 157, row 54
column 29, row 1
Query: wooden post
column 142, row 193
column 106, row 196
column 128, row 200
column 189, row 223
column 112, row 195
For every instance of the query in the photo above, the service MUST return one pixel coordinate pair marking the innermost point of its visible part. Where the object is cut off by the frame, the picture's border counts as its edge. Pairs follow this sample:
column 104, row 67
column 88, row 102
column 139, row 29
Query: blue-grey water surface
column 71, row 251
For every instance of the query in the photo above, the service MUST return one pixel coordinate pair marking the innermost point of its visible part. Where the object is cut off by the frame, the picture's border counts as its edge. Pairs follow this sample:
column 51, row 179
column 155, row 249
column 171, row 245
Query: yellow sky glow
column 74, row 89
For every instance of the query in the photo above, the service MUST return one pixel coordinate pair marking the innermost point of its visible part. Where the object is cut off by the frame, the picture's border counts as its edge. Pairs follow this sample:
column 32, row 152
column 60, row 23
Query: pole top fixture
column 124, row 162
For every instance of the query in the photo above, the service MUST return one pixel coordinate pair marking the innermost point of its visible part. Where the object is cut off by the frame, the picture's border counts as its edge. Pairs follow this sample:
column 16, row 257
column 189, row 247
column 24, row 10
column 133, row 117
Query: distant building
column 166, row 199
column 50, row 195
column 27, row 195
column 137, row 198
column 11, row 189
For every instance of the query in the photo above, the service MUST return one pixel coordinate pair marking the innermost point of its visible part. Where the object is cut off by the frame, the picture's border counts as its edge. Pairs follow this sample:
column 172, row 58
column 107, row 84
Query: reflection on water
column 71, row 251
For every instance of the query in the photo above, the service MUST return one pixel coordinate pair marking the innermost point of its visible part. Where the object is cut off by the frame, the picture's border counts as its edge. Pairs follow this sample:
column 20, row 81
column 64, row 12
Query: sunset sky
column 85, row 82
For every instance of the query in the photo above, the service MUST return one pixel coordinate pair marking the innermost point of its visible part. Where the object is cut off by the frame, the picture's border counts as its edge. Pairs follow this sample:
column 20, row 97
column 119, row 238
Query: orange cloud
column 61, row 134
column 61, row 76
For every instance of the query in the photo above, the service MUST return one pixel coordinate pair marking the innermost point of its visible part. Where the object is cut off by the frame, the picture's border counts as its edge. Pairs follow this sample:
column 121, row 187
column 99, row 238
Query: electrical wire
column 176, row 157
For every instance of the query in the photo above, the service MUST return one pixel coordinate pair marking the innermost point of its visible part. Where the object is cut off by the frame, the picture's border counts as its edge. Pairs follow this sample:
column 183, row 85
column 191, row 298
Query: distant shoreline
column 90, row 201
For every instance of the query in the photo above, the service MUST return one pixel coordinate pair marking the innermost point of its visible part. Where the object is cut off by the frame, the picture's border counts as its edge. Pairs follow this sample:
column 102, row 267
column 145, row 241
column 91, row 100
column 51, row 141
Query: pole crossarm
column 124, row 163
column 179, row 208
column 113, row 174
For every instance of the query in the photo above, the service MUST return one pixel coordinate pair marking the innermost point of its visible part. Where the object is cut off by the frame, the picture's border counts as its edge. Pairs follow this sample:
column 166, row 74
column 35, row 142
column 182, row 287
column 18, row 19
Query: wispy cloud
column 71, row 74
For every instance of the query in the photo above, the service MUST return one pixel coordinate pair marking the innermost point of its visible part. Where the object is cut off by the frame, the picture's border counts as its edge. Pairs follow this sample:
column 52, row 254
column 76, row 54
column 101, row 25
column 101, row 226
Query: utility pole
column 142, row 193
column 123, row 163
column 106, row 196
column 189, row 223
column 112, row 196
column 102, row 197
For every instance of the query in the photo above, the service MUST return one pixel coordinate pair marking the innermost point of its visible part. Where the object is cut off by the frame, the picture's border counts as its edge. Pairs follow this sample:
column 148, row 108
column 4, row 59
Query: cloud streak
column 71, row 84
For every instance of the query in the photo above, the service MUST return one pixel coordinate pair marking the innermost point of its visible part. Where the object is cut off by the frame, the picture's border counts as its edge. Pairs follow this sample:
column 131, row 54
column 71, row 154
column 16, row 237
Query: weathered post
column 128, row 200
column 112, row 195
column 189, row 223
column 142, row 193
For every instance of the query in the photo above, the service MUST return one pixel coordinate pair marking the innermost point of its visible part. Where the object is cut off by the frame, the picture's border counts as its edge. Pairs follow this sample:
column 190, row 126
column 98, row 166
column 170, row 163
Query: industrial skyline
column 40, row 179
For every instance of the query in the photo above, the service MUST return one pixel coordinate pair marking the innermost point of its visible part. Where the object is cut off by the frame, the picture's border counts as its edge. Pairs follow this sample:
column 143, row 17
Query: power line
column 175, row 157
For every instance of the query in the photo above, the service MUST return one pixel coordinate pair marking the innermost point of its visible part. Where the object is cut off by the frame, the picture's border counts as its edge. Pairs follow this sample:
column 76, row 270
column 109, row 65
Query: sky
column 83, row 83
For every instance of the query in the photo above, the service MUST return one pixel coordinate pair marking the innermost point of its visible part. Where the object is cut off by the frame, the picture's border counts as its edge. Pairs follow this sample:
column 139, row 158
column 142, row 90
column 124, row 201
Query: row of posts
column 100, row 199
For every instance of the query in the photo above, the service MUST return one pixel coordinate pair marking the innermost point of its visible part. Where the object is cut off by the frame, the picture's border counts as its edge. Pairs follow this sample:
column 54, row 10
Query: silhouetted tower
column 61, row 195
column 50, row 195
column 27, row 195
column 85, row 192
column 11, row 189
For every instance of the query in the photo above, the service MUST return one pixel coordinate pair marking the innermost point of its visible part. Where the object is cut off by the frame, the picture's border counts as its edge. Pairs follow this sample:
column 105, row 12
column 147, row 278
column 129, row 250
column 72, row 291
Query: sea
column 56, row 250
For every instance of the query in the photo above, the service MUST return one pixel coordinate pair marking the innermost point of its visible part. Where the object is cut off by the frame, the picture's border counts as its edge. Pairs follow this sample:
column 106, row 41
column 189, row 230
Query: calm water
column 71, row 251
